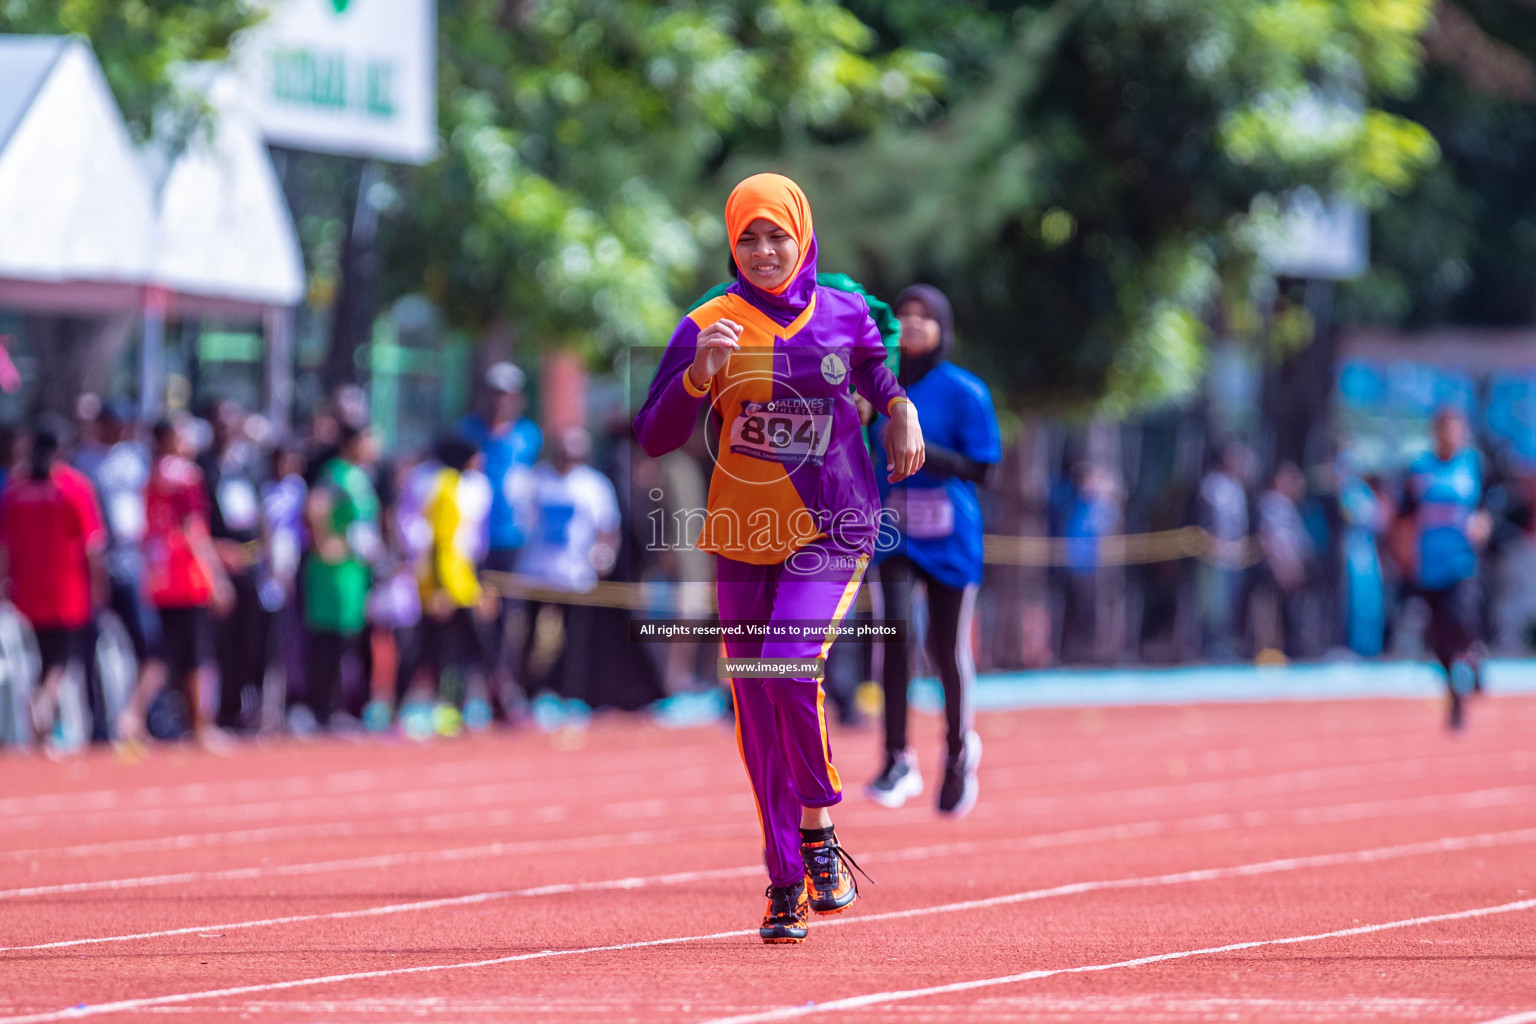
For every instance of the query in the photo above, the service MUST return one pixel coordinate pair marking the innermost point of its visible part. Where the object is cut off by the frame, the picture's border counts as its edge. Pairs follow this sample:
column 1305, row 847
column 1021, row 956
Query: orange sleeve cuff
column 688, row 386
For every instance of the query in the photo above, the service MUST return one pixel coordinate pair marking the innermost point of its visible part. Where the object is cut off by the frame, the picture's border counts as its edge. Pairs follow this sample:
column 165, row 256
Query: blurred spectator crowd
column 200, row 576
column 203, row 576
column 1292, row 564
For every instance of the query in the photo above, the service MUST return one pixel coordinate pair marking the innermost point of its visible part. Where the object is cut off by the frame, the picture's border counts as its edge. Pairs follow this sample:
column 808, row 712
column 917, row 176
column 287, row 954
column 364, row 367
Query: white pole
column 151, row 354
column 278, row 324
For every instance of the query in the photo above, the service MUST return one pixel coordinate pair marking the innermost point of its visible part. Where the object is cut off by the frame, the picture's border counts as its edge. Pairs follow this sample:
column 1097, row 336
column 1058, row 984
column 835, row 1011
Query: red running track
column 1285, row 862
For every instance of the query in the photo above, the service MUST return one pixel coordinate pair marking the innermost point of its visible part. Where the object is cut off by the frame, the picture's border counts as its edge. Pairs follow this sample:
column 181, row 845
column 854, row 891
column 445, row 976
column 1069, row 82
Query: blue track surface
column 1224, row 683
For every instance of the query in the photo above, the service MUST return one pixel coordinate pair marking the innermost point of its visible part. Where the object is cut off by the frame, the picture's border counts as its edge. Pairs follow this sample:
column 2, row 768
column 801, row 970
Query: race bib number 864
column 794, row 430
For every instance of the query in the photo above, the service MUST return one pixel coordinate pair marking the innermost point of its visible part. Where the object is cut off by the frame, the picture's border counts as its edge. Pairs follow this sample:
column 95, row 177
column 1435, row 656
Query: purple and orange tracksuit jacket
column 792, row 479
column 791, row 463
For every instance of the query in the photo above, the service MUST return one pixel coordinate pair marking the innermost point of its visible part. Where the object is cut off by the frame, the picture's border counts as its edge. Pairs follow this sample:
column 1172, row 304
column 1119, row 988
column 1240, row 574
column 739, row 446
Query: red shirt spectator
column 174, row 507
column 49, row 527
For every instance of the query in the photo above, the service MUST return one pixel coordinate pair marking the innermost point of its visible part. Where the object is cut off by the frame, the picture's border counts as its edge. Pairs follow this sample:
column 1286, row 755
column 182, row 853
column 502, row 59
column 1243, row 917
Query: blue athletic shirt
column 507, row 454
column 941, row 529
column 1443, row 495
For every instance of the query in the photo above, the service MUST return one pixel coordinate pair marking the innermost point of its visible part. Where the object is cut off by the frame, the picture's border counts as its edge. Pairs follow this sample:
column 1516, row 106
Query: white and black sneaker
column 898, row 782
column 958, row 793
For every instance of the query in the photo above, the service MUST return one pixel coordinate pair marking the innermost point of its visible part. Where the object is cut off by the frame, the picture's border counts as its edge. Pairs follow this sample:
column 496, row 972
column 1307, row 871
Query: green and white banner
column 356, row 77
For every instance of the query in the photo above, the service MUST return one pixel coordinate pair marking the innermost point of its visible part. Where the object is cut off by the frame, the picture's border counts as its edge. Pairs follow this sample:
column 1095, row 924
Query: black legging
column 949, row 648
column 240, row 643
column 571, row 674
column 325, row 659
column 1455, row 617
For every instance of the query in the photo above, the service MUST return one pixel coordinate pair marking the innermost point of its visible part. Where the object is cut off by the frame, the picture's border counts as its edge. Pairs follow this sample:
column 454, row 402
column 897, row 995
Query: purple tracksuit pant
column 781, row 724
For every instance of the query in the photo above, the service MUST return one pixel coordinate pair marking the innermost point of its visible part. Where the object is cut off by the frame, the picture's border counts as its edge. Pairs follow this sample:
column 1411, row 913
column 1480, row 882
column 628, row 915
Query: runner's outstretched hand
column 904, row 451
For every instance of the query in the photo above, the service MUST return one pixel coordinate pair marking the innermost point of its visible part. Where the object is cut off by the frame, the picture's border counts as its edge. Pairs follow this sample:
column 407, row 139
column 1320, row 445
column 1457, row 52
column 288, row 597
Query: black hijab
column 915, row 368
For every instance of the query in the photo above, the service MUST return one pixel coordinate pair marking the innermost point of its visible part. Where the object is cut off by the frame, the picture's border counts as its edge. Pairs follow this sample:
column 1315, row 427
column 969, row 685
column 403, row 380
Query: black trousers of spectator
column 455, row 641
column 501, row 560
column 408, row 644
column 325, row 659
column 1079, row 616
column 571, row 675
column 1286, row 611
column 1455, row 618
column 127, row 602
column 139, row 619
column 848, row 665
column 240, row 640
column 949, row 648
column 286, row 646
column 71, row 649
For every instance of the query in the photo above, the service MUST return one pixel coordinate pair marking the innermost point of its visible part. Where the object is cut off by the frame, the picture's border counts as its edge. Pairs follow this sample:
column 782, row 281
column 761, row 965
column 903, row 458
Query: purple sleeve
column 873, row 379
column 671, row 409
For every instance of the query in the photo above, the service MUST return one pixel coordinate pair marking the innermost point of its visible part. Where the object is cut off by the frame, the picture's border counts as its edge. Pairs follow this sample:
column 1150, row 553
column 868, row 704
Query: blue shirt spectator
column 511, row 444
column 1443, row 495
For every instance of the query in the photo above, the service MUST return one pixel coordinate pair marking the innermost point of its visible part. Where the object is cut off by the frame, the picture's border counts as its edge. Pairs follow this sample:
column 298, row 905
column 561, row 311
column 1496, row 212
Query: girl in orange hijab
column 793, row 514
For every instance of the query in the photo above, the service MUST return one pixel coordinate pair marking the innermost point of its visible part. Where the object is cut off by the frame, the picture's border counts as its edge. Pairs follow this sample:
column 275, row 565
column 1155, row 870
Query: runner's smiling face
column 766, row 254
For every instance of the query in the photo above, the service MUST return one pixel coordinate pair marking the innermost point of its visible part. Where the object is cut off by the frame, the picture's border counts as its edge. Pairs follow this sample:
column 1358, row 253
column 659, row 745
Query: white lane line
column 76, row 1012
column 620, row 805
column 914, row 853
column 1500, row 796
column 1359, row 811
column 1514, row 1018
column 1223, row 761
column 496, row 793
column 584, row 1007
column 1298, row 781
column 517, row 758
column 1453, row 844
column 702, row 832
column 189, row 797
column 1444, row 845
column 516, row 762
column 1277, row 784
column 1071, row 837
column 1263, row 867
column 194, row 792
column 1153, row 796
column 319, row 830
column 310, row 784
column 617, row 784
column 1475, row 799
column 385, row 860
column 901, row 995
column 559, row 889
column 490, row 816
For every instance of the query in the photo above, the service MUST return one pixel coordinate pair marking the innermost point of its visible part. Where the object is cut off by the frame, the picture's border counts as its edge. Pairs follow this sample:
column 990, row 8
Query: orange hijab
column 778, row 200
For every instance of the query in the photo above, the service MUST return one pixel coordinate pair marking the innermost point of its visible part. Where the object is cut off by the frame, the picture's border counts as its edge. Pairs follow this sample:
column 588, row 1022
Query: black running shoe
column 788, row 910
column 958, row 794
column 1457, row 718
column 898, row 782
column 827, row 873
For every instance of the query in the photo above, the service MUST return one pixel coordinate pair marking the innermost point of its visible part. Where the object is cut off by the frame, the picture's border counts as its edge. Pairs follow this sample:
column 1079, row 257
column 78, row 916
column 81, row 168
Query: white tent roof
column 225, row 230
column 26, row 64
column 81, row 229
column 77, row 219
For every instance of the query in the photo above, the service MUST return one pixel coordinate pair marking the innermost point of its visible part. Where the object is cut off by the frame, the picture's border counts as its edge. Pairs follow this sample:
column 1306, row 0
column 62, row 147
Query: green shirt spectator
column 344, row 520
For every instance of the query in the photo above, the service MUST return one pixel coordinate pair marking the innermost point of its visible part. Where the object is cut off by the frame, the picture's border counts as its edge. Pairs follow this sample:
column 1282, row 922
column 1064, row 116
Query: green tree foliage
column 1090, row 179
column 1460, row 246
column 139, row 42
column 1096, row 199
column 573, row 199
